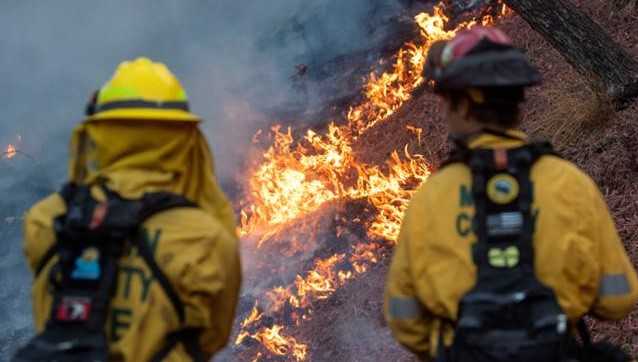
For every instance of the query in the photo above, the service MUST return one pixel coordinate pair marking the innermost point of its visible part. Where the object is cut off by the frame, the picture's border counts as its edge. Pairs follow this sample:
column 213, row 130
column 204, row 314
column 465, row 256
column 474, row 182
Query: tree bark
column 584, row 44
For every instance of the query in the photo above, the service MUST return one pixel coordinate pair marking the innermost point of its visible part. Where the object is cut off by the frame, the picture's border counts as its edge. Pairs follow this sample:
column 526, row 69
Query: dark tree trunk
column 584, row 44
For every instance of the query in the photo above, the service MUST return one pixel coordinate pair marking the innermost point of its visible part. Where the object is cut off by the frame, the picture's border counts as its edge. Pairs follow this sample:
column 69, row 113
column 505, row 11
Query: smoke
column 235, row 58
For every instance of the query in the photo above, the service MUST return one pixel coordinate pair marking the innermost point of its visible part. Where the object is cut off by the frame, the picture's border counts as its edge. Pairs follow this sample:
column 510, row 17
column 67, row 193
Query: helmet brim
column 174, row 115
column 491, row 69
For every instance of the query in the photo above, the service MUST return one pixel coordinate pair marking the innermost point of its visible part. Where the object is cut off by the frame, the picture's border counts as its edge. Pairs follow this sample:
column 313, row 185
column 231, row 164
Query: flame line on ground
column 297, row 178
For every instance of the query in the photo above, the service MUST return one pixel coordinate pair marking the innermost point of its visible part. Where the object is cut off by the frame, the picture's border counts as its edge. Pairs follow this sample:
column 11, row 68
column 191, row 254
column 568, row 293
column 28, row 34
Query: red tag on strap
column 500, row 158
column 99, row 214
column 73, row 309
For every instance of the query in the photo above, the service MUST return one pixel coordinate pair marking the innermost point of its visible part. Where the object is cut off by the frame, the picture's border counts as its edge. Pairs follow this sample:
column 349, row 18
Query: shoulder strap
column 460, row 153
column 146, row 254
column 151, row 204
column 154, row 203
column 66, row 193
column 583, row 331
column 542, row 148
column 189, row 338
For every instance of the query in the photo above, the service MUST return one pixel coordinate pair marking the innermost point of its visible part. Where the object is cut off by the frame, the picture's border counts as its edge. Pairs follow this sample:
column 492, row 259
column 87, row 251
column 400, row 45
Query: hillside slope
column 563, row 109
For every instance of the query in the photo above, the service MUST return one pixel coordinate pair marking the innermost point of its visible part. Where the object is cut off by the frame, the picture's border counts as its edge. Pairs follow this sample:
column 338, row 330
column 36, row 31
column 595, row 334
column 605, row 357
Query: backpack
column 510, row 315
column 90, row 239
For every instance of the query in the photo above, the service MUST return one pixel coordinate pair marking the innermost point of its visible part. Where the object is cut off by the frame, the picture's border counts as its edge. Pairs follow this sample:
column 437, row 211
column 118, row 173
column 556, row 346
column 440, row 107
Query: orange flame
column 272, row 339
column 11, row 151
column 298, row 177
column 417, row 131
column 253, row 317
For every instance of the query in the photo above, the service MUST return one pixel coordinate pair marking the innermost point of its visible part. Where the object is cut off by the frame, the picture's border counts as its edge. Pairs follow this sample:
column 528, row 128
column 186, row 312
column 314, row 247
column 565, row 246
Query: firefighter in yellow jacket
column 139, row 138
column 507, row 246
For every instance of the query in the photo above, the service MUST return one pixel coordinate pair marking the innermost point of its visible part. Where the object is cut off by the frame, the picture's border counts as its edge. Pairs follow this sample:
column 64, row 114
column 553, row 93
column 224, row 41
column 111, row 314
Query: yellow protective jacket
column 578, row 252
column 196, row 248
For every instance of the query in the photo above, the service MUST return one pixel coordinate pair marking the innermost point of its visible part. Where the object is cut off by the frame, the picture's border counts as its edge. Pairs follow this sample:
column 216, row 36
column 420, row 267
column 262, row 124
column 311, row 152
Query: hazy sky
column 234, row 57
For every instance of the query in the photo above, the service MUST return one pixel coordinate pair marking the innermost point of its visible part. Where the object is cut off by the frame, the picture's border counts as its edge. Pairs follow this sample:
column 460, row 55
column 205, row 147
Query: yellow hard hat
column 141, row 89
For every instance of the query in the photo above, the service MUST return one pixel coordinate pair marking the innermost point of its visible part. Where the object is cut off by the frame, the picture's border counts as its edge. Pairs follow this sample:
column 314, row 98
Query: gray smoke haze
column 235, row 58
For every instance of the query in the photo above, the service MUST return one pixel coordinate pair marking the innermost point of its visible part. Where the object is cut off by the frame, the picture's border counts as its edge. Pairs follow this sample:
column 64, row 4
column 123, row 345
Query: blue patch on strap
column 86, row 269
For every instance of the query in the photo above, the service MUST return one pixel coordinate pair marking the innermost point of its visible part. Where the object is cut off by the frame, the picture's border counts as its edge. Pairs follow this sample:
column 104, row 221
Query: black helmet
column 481, row 57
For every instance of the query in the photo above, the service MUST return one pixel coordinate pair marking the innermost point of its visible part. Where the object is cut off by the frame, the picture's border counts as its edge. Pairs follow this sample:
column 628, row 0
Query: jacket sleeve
column 38, row 234
column 410, row 323
column 618, row 283
column 210, row 289
column 38, row 238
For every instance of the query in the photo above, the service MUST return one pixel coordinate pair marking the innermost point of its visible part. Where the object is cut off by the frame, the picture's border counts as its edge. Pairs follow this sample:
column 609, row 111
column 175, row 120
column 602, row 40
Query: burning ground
column 322, row 207
column 317, row 215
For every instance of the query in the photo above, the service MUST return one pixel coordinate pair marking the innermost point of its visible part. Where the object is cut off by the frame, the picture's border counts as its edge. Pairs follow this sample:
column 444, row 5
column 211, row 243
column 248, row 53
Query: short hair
column 499, row 106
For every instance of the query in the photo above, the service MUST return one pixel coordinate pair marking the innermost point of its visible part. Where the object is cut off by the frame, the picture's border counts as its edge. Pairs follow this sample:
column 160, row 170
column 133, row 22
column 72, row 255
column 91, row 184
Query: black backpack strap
column 66, row 193
column 189, row 338
column 461, row 153
column 539, row 149
column 146, row 254
column 585, row 336
column 590, row 351
column 154, row 203
column 479, row 164
column 82, row 281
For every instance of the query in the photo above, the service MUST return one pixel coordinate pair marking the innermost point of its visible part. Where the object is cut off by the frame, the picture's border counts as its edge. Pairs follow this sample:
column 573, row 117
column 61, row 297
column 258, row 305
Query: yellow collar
column 490, row 140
